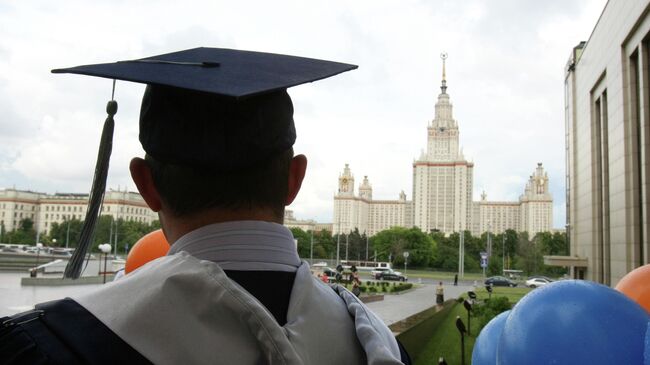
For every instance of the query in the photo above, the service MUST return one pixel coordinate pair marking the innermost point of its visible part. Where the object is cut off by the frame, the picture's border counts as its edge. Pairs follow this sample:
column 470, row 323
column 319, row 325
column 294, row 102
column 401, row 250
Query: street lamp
column 461, row 328
column 468, row 307
column 67, row 235
column 366, row 245
column 406, row 258
column 311, row 249
column 38, row 254
column 106, row 249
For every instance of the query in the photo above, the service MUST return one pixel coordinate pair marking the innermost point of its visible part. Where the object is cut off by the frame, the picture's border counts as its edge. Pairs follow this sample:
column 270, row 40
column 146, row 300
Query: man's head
column 208, row 154
column 188, row 190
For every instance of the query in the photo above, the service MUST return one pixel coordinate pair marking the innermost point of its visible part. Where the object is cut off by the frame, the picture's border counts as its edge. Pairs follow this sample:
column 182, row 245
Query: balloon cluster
column 572, row 322
column 150, row 247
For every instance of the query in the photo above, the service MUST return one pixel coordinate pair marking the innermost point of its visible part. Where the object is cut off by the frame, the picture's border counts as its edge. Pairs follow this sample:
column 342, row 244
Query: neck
column 176, row 227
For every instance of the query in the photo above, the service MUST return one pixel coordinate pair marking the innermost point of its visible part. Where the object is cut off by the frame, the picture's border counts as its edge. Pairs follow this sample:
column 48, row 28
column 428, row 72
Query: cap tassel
column 73, row 269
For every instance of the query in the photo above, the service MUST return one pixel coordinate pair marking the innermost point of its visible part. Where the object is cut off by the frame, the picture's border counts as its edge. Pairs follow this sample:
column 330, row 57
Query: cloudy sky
column 505, row 77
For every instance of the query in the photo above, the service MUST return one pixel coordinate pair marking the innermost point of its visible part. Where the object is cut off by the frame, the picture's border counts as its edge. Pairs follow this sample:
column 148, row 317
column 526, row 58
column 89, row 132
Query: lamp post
column 468, row 307
column 38, row 255
column 311, row 249
column 67, row 235
column 461, row 328
column 503, row 253
column 406, row 258
column 461, row 254
column 366, row 246
column 347, row 246
column 489, row 241
column 106, row 249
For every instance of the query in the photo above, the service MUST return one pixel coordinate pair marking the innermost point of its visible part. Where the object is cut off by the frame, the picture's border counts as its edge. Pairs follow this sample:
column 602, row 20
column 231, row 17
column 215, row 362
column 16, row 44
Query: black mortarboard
column 221, row 109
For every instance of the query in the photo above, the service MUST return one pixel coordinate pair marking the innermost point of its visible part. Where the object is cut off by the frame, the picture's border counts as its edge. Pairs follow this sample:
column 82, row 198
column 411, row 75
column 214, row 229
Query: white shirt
column 242, row 245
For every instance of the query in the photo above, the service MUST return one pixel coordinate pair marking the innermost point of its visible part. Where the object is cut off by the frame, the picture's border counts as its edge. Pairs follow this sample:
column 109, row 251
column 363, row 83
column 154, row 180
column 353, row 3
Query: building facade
column 442, row 192
column 608, row 146
column 359, row 211
column 532, row 213
column 46, row 209
column 442, row 177
column 290, row 221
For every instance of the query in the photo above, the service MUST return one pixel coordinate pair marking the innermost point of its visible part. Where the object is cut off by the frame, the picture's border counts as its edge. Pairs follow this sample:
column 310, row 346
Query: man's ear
column 141, row 175
column 296, row 175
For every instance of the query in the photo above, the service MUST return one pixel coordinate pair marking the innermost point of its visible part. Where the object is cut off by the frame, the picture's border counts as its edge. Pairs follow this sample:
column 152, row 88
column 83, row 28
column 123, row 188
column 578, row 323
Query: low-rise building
column 46, row 209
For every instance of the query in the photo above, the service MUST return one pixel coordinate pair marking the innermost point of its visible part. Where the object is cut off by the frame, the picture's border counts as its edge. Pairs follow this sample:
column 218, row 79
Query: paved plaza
column 395, row 308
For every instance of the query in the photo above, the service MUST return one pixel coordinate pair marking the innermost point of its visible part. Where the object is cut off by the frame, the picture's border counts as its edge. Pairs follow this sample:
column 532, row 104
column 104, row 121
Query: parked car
column 389, row 274
column 540, row 277
column 500, row 281
column 378, row 270
column 319, row 271
column 537, row 282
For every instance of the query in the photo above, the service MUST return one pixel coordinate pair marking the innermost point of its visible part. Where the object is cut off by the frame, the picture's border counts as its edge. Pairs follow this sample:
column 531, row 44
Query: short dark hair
column 188, row 190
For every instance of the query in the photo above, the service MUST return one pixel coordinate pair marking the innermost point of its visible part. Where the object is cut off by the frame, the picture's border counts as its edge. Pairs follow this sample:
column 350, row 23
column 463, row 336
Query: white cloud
column 505, row 73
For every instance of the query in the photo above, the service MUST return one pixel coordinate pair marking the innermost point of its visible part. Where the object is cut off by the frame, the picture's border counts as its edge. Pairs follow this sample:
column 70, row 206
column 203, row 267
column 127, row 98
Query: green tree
column 393, row 242
column 495, row 265
column 529, row 258
column 446, row 257
column 551, row 244
column 324, row 245
column 304, row 242
column 511, row 246
column 66, row 231
column 24, row 235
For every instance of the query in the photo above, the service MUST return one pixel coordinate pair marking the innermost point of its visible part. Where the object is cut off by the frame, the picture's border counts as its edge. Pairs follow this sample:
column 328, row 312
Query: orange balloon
column 150, row 247
column 636, row 286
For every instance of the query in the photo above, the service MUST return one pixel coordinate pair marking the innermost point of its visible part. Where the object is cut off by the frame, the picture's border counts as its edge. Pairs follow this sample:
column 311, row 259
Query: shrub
column 372, row 289
column 402, row 287
column 490, row 309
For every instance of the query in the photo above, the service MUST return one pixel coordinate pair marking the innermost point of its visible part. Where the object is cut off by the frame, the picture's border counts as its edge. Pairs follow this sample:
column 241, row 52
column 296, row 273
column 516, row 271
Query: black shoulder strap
column 65, row 332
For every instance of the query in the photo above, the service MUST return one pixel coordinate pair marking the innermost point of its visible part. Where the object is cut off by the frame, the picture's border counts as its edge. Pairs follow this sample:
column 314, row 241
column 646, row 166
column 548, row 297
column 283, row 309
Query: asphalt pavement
column 396, row 307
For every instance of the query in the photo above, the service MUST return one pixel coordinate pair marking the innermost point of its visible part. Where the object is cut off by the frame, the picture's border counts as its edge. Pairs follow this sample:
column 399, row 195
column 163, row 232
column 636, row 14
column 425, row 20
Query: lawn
column 436, row 275
column 513, row 294
column 445, row 340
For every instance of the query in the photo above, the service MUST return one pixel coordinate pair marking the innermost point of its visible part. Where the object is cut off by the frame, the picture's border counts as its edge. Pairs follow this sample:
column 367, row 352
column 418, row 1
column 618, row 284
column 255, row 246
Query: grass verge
column 445, row 341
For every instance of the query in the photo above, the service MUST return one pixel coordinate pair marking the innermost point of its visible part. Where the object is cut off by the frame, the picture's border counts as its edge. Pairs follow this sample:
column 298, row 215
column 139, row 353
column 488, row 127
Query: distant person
column 324, row 278
column 356, row 282
column 440, row 294
column 456, row 280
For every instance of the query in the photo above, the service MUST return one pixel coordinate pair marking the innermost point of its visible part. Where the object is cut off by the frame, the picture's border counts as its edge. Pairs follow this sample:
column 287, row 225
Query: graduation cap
column 213, row 108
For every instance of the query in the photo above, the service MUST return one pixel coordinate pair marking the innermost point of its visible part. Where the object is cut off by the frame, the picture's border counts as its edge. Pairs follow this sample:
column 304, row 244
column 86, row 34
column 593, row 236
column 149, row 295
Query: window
column 600, row 174
column 638, row 130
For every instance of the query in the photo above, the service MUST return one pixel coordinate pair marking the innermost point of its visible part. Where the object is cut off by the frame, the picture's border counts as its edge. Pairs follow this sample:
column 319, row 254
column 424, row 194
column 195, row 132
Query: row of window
column 19, row 206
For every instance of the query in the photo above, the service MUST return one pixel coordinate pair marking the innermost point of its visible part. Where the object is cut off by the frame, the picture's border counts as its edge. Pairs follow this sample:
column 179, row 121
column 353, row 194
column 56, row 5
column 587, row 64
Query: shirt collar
column 242, row 245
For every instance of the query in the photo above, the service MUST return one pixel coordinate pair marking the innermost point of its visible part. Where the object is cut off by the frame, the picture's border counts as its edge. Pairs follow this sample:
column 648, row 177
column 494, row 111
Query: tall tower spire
column 443, row 88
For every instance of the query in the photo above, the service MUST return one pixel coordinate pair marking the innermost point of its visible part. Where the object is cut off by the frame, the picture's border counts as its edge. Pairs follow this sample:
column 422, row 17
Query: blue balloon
column 574, row 322
column 485, row 347
column 646, row 353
